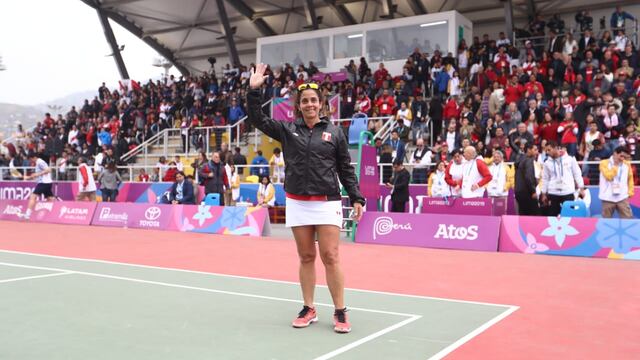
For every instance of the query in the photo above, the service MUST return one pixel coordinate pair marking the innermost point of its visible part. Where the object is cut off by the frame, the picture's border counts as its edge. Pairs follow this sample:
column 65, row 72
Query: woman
column 437, row 186
column 266, row 193
column 317, row 155
column 109, row 181
column 277, row 165
column 235, row 185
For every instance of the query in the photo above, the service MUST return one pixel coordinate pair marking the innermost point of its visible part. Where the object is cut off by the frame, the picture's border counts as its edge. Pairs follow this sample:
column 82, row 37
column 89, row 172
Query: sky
column 53, row 48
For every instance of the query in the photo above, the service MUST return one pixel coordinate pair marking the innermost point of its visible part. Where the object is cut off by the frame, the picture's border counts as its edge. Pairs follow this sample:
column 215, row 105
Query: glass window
column 297, row 52
column 398, row 43
column 347, row 45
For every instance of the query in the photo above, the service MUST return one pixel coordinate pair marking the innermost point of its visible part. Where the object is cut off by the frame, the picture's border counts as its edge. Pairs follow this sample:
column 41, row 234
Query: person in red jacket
column 568, row 131
column 534, row 85
column 514, row 91
column 170, row 175
column 385, row 103
column 380, row 75
column 548, row 129
column 452, row 109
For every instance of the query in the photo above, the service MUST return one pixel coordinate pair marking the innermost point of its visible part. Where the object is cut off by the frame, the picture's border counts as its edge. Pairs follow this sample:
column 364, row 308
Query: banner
column 369, row 176
column 431, row 231
column 188, row 218
column 475, row 206
column 21, row 190
column 12, row 209
column 148, row 216
column 231, row 220
column 590, row 237
column 282, row 109
column 336, row 76
column 55, row 212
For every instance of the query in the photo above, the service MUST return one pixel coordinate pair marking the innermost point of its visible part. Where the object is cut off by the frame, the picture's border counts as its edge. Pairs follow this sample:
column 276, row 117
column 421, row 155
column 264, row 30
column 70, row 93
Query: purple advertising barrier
column 440, row 231
column 148, row 216
column 369, row 176
column 336, row 76
column 282, row 109
column 112, row 214
column 65, row 212
column 12, row 209
column 412, row 204
column 475, row 206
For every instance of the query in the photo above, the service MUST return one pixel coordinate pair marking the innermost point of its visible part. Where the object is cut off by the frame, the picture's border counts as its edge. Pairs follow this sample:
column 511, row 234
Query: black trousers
column 527, row 205
column 556, row 203
column 397, row 206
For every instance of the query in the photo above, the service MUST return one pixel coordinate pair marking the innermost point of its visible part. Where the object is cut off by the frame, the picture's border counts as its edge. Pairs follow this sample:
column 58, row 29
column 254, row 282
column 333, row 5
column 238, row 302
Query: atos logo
column 152, row 213
column 453, row 232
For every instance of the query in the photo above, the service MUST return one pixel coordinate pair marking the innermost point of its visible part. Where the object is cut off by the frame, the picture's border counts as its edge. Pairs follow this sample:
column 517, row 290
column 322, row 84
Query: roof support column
column 310, row 13
column 508, row 17
column 111, row 39
column 228, row 33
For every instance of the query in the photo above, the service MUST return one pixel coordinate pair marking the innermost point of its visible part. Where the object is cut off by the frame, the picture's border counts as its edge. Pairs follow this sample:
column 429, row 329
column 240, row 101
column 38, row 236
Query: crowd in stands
column 579, row 89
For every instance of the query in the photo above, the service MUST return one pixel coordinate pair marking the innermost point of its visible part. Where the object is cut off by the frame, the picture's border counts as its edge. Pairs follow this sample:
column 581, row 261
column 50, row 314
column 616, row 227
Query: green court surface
column 59, row 308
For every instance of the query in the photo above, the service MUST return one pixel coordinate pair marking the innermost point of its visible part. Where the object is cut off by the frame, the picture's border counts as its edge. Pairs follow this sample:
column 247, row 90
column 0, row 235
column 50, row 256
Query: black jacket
column 315, row 158
column 400, row 182
column 525, row 177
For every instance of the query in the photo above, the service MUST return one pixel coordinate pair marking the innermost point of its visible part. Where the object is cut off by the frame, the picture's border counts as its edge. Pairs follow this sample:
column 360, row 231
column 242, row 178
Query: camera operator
column 584, row 20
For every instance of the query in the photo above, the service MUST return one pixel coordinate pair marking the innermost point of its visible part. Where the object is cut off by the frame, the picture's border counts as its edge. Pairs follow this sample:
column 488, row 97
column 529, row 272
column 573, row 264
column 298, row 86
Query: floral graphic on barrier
column 232, row 217
column 559, row 228
column 203, row 214
column 589, row 237
column 533, row 246
column 619, row 236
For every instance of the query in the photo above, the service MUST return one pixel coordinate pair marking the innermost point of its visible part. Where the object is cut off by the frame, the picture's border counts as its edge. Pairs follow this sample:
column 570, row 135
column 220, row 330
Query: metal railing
column 164, row 136
column 543, row 40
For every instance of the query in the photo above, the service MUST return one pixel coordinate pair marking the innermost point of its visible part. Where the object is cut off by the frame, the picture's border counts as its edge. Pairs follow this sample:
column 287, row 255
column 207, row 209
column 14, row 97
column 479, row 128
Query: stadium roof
column 187, row 32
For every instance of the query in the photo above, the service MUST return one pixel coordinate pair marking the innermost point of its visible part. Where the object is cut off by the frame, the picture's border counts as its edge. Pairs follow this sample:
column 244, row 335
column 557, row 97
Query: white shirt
column 424, row 162
column 73, row 137
column 560, row 176
column 91, row 183
column 41, row 165
column 498, row 181
column 470, row 176
column 439, row 187
column 451, row 140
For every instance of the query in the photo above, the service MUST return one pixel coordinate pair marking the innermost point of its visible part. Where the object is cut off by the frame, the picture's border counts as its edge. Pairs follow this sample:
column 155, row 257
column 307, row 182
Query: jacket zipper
column 308, row 152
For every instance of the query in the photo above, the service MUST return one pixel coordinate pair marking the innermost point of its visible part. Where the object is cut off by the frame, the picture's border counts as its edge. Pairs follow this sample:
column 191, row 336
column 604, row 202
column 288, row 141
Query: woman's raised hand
column 257, row 76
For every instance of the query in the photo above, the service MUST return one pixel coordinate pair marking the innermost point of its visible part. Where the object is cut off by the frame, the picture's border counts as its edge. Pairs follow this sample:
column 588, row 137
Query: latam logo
column 384, row 225
column 106, row 215
column 44, row 206
column 12, row 210
column 151, row 215
column 453, row 232
column 69, row 212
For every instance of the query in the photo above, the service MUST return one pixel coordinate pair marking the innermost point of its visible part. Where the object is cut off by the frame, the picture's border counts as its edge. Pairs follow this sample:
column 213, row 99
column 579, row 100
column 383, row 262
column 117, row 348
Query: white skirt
column 300, row 213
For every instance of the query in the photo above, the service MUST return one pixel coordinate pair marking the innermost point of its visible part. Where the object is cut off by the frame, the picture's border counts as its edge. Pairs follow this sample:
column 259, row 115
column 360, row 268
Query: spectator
column 258, row 167
column 182, row 190
column 170, row 174
column 397, row 146
column 109, row 180
column 215, row 177
column 526, row 181
column 618, row 18
column 142, row 176
column 437, row 186
column 399, row 186
column 239, row 160
column 560, row 175
column 616, row 184
column 266, row 193
column 276, row 163
column 234, row 182
column 420, row 159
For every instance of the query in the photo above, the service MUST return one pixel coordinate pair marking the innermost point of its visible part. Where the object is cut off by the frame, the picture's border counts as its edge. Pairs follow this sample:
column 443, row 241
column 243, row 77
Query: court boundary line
column 411, row 317
column 477, row 331
column 256, row 278
column 5, row 281
column 329, row 355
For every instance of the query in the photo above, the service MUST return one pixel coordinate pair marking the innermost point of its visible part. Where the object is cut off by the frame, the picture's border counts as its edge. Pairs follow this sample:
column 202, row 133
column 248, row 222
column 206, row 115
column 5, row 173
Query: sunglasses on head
column 313, row 86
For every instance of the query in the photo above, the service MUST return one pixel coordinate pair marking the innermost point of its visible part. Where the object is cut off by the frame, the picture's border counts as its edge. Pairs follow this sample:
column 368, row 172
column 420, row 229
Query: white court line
column 68, row 271
column 330, row 355
column 254, row 278
column 367, row 338
column 34, row 277
column 412, row 317
column 482, row 328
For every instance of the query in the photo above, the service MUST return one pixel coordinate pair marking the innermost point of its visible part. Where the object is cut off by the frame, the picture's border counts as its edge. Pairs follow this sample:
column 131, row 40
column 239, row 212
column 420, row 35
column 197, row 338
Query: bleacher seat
column 212, row 199
column 574, row 209
column 359, row 123
column 254, row 179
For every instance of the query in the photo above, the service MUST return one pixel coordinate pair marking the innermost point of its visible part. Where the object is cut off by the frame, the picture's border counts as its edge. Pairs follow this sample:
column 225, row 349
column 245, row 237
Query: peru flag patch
column 326, row 136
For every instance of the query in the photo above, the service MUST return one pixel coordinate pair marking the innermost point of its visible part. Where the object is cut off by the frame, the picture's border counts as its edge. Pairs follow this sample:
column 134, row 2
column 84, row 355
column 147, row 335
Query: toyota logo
column 152, row 213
